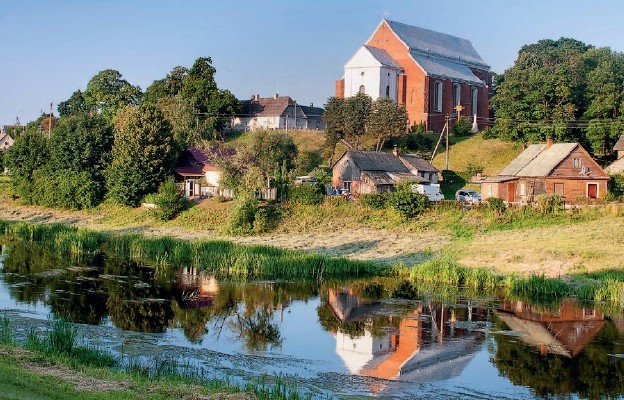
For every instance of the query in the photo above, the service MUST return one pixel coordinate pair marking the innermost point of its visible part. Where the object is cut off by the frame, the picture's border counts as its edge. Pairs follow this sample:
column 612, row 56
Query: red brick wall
column 339, row 89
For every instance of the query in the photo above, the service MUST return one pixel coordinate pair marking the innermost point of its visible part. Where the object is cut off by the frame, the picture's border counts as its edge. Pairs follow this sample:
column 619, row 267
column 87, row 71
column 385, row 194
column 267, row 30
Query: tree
column 271, row 150
column 356, row 110
column 76, row 104
column 144, row 152
column 334, row 125
column 386, row 119
column 169, row 86
column 28, row 153
column 108, row 92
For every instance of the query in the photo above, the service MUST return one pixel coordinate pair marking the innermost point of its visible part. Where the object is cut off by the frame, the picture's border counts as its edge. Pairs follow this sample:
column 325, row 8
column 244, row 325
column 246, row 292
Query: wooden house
column 564, row 169
column 198, row 175
column 364, row 172
column 617, row 167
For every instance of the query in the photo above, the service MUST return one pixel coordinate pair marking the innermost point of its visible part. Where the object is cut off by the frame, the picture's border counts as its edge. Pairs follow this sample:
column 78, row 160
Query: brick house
column 564, row 169
column 430, row 72
column 363, row 172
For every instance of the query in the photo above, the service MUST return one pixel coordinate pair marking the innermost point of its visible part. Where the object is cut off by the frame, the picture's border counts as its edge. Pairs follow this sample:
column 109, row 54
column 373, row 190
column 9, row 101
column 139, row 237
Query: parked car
column 432, row 191
column 467, row 196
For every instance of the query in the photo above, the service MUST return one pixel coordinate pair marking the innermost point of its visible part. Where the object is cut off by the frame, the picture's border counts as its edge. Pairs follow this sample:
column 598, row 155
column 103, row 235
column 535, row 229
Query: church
column 434, row 74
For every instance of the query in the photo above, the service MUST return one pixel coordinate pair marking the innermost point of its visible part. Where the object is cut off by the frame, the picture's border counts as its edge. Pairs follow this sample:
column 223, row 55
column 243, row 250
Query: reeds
column 447, row 271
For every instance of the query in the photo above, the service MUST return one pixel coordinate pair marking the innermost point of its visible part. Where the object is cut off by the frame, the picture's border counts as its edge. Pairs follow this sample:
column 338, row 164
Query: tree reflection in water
column 256, row 329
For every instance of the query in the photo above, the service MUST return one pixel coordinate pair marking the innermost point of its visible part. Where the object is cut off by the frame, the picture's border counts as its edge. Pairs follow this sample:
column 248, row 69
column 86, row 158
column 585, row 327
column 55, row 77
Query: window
column 362, row 88
column 475, row 100
column 346, row 185
column 437, row 96
column 387, row 90
column 491, row 189
column 522, row 189
column 456, row 95
column 559, row 189
column 576, row 162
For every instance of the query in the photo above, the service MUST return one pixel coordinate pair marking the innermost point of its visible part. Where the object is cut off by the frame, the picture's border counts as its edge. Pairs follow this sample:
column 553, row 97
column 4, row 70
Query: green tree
column 28, row 154
column 169, row 86
column 76, row 104
column 386, row 119
column 108, row 92
column 144, row 152
column 271, row 150
column 169, row 200
column 334, row 125
column 355, row 113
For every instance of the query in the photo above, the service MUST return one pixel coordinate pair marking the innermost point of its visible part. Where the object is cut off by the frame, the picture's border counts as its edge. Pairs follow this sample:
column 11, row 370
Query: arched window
column 362, row 89
column 456, row 95
column 437, row 96
column 387, row 90
column 475, row 100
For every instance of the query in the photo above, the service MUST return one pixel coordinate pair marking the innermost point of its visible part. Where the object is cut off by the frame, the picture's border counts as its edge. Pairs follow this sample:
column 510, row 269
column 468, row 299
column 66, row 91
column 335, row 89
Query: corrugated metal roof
column 619, row 146
column 436, row 43
column 538, row 160
column 439, row 68
column 412, row 161
column 377, row 161
column 383, row 57
column 617, row 167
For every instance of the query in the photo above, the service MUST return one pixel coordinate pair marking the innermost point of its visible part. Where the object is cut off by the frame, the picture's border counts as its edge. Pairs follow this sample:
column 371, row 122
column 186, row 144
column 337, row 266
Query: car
column 432, row 191
column 467, row 196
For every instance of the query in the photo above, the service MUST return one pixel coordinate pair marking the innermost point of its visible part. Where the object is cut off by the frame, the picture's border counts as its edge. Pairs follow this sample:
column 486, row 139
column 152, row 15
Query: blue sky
column 298, row 48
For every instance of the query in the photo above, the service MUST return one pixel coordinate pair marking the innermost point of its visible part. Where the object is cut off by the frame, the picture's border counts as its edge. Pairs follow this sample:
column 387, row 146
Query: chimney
column 395, row 151
column 276, row 96
column 311, row 104
column 549, row 142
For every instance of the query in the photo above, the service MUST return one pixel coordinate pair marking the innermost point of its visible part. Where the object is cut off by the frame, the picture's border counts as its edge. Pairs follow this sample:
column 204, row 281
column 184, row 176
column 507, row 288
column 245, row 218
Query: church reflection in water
column 429, row 342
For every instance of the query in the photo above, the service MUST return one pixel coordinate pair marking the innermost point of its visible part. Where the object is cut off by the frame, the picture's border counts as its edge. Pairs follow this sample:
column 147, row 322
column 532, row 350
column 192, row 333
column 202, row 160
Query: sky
column 49, row 49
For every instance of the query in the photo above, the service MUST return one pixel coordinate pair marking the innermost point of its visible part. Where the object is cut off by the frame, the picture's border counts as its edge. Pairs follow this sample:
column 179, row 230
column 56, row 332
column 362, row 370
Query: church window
column 475, row 100
column 362, row 89
column 456, row 95
column 387, row 90
column 437, row 96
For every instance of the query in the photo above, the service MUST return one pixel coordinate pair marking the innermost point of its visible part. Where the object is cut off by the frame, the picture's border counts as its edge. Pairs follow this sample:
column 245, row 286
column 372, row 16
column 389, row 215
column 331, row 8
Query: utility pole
column 295, row 114
column 447, row 143
column 50, row 123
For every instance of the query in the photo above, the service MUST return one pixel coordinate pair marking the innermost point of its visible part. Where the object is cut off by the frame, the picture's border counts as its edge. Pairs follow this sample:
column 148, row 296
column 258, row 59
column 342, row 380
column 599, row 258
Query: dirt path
column 361, row 244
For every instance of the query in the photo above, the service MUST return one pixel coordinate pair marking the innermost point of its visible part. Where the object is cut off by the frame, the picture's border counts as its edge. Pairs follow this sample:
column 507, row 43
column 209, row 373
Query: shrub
column 496, row 204
column 406, row 202
column 75, row 190
column 461, row 128
column 305, row 194
column 265, row 219
column 489, row 133
column 473, row 169
column 376, row 201
column 242, row 218
column 169, row 201
column 616, row 184
column 549, row 203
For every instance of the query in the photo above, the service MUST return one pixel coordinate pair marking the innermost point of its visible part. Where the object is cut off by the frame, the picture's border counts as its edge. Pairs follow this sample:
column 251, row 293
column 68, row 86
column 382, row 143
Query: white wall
column 364, row 69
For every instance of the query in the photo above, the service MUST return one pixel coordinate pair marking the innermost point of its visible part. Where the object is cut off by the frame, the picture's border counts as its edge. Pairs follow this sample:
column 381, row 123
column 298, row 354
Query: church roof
column 437, row 44
column 439, row 68
column 383, row 57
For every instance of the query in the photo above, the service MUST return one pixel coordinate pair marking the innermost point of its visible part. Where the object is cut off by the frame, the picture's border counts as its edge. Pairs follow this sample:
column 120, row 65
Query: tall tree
column 28, row 154
column 356, row 110
column 334, row 125
column 169, row 86
column 108, row 92
column 144, row 152
column 76, row 104
column 386, row 119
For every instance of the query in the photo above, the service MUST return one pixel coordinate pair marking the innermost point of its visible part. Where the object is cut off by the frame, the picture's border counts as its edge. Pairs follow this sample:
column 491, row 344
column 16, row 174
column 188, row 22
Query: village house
column 363, row 172
column 431, row 73
column 198, row 175
column 277, row 112
column 617, row 167
column 564, row 169
column 6, row 141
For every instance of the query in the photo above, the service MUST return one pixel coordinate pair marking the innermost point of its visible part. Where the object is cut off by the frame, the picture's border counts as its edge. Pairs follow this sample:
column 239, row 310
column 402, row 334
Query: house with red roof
column 277, row 112
column 198, row 173
column 431, row 73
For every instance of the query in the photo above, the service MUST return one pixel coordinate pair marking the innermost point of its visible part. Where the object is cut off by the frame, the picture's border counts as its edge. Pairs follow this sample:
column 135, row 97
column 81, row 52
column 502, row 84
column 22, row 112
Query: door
column 592, row 190
column 511, row 192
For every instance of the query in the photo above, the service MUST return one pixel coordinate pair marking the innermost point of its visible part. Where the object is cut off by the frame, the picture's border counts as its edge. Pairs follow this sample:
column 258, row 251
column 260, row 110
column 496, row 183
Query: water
column 363, row 337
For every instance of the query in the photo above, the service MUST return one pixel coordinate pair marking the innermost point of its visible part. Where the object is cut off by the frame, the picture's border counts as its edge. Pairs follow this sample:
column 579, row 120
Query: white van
column 432, row 191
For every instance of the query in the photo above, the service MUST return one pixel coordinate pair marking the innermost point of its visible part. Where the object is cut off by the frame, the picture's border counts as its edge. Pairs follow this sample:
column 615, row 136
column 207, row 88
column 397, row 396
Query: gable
column 368, row 56
column 587, row 167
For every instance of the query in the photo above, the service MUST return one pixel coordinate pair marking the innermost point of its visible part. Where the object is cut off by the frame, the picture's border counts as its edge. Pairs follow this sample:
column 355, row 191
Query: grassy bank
column 52, row 365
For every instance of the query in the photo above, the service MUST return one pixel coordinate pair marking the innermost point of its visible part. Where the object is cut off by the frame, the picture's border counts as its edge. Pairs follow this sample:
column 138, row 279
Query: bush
column 169, row 201
column 406, row 202
column 461, row 128
column 243, row 215
column 616, row 184
column 265, row 219
column 549, row 203
column 305, row 194
column 473, row 169
column 489, row 133
column 74, row 190
column 496, row 204
column 376, row 201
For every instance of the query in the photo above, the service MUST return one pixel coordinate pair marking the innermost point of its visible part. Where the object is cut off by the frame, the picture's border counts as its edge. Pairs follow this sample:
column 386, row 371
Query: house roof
column 4, row 135
column 617, row 167
column 619, row 145
column 310, row 111
column 377, row 161
column 202, row 159
column 437, row 44
column 412, row 161
column 442, row 68
column 538, row 160
column 267, row 106
column 383, row 57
